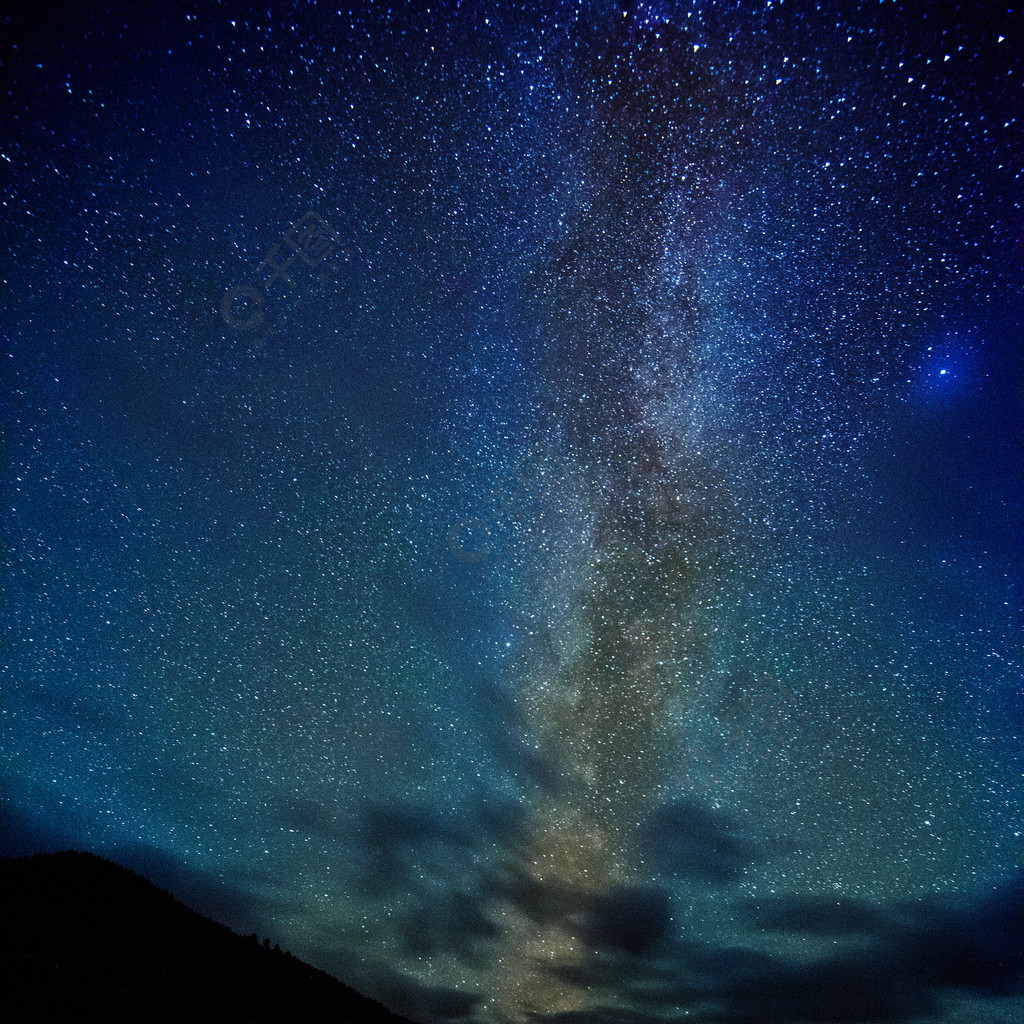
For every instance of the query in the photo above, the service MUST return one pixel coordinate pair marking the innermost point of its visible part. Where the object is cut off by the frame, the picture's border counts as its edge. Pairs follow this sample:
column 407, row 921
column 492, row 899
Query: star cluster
column 520, row 503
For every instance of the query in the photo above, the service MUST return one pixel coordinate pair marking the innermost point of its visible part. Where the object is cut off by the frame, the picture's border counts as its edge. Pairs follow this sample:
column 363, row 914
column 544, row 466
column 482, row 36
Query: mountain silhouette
column 85, row 938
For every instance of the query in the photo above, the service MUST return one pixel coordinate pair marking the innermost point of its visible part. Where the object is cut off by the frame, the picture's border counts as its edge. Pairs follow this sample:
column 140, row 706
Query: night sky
column 521, row 503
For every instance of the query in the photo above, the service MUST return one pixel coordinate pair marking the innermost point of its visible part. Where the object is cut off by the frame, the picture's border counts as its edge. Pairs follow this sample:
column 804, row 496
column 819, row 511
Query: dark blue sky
column 521, row 504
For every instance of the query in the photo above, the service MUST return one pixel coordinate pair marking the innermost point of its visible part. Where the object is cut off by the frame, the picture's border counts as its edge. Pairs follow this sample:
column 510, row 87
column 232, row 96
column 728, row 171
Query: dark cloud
column 541, row 901
column 692, row 840
column 428, row 1004
column 455, row 870
column 394, row 840
column 815, row 916
column 605, row 1015
column 460, row 871
column 507, row 742
column 23, row 833
column 896, row 963
column 409, row 825
column 975, row 946
column 634, row 919
column 314, row 819
column 858, row 987
column 455, row 924
column 393, row 836
column 891, row 962
column 501, row 821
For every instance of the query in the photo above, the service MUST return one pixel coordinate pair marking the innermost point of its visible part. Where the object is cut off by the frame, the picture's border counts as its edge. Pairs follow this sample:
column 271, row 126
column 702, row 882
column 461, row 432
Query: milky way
column 520, row 504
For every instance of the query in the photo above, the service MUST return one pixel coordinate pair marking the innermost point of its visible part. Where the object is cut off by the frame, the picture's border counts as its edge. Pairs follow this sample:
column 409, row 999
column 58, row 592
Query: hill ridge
column 87, row 936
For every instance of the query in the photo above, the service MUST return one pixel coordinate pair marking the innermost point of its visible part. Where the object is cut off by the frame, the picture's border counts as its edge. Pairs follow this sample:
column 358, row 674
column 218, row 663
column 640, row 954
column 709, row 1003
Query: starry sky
column 520, row 503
